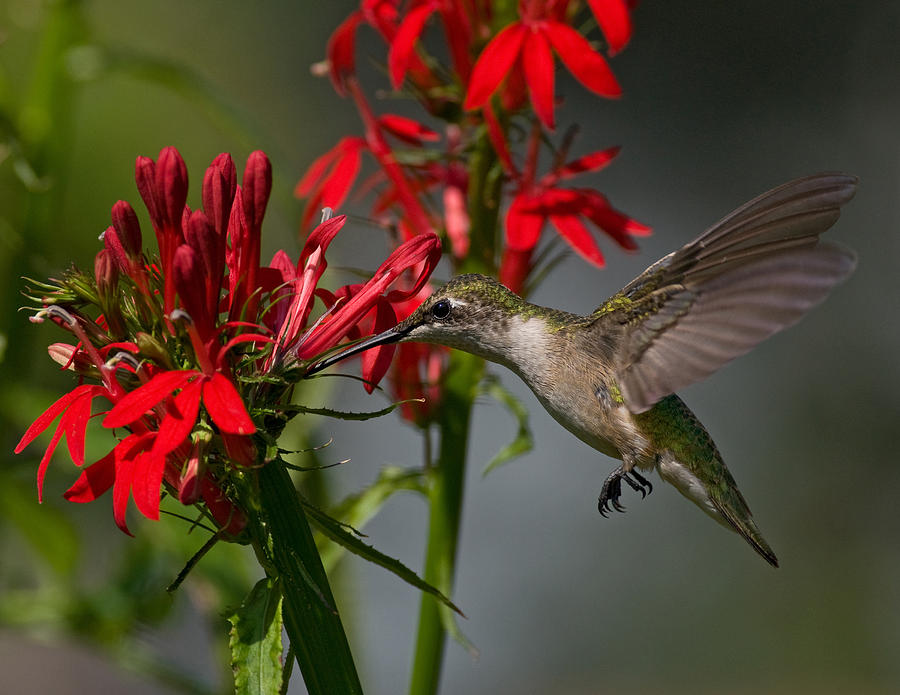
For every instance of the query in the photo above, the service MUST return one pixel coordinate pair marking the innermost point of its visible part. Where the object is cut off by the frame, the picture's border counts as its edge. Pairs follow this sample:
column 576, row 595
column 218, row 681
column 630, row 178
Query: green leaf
column 256, row 641
column 283, row 537
column 524, row 441
column 339, row 534
column 451, row 627
column 344, row 415
column 356, row 510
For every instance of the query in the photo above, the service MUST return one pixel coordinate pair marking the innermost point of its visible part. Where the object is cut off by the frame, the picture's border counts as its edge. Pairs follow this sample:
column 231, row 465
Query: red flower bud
column 256, row 186
column 219, row 186
column 128, row 229
column 171, row 186
column 106, row 272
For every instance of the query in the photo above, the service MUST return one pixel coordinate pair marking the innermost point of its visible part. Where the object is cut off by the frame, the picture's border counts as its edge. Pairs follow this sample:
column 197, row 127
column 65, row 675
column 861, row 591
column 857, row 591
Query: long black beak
column 391, row 335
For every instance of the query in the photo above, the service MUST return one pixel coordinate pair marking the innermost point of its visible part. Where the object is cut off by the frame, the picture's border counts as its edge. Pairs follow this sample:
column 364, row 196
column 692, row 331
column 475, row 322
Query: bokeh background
column 722, row 101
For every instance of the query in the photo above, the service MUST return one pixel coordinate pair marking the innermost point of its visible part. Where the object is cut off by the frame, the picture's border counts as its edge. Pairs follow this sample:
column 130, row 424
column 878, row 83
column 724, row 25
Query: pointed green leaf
column 256, row 641
column 356, row 510
column 451, row 627
column 524, row 441
column 339, row 534
column 344, row 415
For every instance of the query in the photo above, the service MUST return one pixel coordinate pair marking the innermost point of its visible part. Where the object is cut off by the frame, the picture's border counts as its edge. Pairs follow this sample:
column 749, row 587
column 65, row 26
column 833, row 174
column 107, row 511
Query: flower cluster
column 191, row 349
column 497, row 99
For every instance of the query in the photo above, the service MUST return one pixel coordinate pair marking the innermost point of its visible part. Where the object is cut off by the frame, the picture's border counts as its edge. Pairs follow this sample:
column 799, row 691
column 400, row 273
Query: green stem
column 460, row 386
column 445, row 496
column 311, row 618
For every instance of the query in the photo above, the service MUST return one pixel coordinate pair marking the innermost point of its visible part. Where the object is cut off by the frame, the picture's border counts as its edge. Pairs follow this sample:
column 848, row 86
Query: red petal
column 494, row 62
column 49, row 415
column 595, row 161
column 340, row 51
column 94, row 480
column 422, row 249
column 617, row 225
column 225, row 407
column 523, row 229
column 181, row 416
column 316, row 171
column 320, row 237
column 588, row 67
column 143, row 398
column 537, row 60
column 45, row 461
column 614, row 20
column 147, row 474
column 240, row 448
column 458, row 32
column 376, row 362
column 341, row 177
column 407, row 129
column 403, row 45
column 75, row 421
column 125, row 463
column 498, row 140
column 230, row 519
column 421, row 255
column 514, row 269
column 573, row 231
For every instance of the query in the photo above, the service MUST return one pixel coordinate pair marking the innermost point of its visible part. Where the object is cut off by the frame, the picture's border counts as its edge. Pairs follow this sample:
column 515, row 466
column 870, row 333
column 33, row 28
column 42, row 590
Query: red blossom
column 539, row 201
column 419, row 255
column 195, row 257
column 524, row 48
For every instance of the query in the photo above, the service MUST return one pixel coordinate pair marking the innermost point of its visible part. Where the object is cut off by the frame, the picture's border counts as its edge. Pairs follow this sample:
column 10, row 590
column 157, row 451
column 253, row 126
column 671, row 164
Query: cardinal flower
column 526, row 49
column 205, row 327
column 540, row 200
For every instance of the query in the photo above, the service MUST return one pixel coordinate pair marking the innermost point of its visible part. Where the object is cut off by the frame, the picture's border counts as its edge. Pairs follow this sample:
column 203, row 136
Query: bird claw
column 612, row 489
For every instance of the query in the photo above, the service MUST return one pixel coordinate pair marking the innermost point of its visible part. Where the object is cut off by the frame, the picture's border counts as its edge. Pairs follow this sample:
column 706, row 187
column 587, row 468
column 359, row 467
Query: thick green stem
column 310, row 615
column 445, row 496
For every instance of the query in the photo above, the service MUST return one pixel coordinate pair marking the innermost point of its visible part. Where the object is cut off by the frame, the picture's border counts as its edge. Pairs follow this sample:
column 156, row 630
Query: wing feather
column 754, row 273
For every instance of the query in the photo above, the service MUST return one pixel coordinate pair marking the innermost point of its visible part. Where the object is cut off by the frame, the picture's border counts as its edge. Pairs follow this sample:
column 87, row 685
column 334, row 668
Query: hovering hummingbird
column 610, row 377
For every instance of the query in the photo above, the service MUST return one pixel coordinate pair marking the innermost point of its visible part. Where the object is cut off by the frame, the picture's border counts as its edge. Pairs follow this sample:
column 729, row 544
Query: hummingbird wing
column 753, row 273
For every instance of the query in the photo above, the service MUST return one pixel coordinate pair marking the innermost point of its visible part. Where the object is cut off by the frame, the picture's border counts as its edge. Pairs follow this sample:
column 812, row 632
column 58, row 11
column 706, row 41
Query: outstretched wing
column 755, row 272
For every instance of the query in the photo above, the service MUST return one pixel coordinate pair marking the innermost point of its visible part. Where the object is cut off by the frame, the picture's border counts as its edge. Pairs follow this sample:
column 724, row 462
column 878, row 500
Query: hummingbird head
column 471, row 312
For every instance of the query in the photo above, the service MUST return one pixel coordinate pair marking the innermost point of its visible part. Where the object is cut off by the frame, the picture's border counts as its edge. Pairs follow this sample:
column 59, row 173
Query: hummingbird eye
column 441, row 309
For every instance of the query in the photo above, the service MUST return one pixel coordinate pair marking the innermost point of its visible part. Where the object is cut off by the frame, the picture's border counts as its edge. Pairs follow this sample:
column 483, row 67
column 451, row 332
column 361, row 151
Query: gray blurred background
column 722, row 101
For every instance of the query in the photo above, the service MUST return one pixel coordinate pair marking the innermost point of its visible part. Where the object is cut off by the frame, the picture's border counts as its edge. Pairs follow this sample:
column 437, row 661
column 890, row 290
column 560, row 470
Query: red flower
column 330, row 177
column 350, row 304
column 537, row 202
column 525, row 47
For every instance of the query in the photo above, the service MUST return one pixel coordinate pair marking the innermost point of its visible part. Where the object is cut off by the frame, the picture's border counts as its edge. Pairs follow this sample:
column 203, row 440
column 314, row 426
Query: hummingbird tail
column 745, row 526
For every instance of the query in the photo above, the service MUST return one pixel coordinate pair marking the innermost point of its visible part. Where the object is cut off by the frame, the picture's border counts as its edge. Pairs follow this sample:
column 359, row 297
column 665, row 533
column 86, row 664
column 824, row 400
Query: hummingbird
column 610, row 377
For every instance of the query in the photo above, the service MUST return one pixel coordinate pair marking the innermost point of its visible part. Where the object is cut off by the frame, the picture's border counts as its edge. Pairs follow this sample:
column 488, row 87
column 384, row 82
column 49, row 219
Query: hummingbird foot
column 612, row 489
